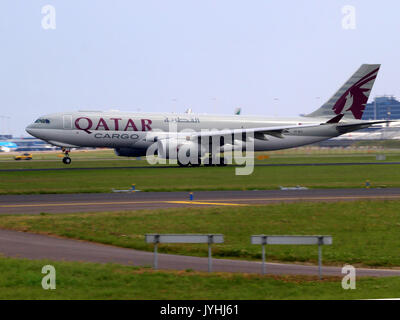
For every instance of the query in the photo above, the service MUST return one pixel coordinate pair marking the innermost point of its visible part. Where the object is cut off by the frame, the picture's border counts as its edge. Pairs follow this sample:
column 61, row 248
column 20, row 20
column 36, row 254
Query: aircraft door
column 67, row 121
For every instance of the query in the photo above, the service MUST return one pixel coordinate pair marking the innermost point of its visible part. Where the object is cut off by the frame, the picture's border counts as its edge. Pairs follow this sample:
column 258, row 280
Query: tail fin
column 351, row 98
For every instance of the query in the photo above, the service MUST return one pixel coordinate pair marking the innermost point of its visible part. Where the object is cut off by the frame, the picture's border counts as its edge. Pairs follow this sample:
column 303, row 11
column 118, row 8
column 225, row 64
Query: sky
column 271, row 58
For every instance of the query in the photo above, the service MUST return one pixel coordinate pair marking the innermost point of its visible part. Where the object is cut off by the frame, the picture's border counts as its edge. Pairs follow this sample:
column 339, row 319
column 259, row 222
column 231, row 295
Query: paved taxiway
column 67, row 203
column 36, row 246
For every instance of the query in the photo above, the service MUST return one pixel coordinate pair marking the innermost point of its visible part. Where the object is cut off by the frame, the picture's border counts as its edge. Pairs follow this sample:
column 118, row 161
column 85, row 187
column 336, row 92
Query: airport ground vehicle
column 25, row 156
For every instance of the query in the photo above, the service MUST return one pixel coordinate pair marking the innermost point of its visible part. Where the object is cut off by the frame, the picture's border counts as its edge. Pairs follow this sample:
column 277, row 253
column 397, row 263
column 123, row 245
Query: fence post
column 320, row 243
column 264, row 242
column 210, row 241
column 156, row 241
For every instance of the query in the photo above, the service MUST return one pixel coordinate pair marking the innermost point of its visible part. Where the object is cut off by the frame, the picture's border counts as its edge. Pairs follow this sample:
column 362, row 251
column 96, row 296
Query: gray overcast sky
column 209, row 55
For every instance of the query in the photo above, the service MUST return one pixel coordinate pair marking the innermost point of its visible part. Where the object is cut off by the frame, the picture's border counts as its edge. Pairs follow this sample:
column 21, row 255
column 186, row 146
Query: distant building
column 383, row 107
column 25, row 144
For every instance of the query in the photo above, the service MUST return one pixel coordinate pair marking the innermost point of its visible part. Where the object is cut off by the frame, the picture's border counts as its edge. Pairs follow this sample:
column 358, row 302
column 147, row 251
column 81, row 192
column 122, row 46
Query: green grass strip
column 21, row 279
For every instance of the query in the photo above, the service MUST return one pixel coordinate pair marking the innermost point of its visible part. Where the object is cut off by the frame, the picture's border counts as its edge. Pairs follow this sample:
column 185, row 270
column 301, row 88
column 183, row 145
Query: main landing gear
column 214, row 161
column 66, row 159
column 211, row 162
column 193, row 164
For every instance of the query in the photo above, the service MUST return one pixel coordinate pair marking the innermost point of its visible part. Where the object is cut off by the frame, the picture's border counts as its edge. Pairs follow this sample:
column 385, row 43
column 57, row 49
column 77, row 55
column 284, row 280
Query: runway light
column 191, row 196
column 133, row 188
column 367, row 184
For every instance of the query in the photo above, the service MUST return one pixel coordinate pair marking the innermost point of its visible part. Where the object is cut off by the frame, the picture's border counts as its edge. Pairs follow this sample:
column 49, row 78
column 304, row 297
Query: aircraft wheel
column 222, row 162
column 196, row 164
column 210, row 162
column 67, row 160
column 183, row 164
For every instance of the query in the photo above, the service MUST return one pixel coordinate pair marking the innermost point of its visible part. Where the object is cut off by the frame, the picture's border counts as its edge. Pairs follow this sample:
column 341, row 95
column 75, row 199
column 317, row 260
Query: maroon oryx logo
column 354, row 97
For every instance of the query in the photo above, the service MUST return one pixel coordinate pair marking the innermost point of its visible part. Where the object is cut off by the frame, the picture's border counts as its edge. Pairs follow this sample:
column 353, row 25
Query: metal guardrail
column 184, row 238
column 262, row 240
column 292, row 240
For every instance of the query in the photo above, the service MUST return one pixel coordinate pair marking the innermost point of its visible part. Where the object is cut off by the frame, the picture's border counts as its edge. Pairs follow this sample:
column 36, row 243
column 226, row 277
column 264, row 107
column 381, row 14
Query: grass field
column 364, row 233
column 107, row 158
column 21, row 279
column 202, row 178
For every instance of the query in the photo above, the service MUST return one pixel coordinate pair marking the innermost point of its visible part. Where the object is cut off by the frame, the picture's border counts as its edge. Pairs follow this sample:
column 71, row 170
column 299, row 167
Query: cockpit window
column 42, row 121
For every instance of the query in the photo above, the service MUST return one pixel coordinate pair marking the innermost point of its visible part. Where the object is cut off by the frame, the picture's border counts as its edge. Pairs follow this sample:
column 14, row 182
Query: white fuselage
column 140, row 130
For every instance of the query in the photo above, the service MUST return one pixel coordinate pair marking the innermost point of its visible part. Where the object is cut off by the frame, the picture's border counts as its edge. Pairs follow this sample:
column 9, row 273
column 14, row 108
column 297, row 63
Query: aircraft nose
column 29, row 129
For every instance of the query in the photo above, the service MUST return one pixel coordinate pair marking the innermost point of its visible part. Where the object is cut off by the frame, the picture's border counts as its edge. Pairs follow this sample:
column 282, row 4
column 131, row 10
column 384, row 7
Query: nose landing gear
column 66, row 159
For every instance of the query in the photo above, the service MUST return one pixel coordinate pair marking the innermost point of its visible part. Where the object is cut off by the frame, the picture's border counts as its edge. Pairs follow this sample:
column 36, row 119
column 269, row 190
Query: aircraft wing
column 278, row 131
column 275, row 131
column 343, row 128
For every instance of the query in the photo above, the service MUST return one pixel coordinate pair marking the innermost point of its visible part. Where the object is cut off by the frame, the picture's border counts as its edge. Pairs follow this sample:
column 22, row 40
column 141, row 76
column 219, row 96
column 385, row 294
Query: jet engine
column 130, row 152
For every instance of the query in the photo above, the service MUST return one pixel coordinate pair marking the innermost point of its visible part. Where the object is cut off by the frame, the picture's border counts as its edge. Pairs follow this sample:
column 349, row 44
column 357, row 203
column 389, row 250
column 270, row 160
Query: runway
column 189, row 168
column 89, row 202
column 35, row 246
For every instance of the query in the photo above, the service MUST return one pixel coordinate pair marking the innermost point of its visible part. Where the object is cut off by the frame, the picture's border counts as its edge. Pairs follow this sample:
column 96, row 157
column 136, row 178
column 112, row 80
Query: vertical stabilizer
column 351, row 98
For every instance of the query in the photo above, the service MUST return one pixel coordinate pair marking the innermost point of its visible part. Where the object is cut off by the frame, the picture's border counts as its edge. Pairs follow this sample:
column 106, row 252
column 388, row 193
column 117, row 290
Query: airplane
column 237, row 111
column 134, row 134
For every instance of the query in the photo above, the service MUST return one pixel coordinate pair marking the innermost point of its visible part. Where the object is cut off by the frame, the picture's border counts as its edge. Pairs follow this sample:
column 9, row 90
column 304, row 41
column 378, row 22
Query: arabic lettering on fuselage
column 179, row 119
